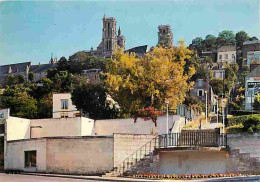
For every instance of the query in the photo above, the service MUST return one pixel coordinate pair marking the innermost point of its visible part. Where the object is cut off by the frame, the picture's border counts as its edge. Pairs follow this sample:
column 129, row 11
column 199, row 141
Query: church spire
column 119, row 31
column 105, row 17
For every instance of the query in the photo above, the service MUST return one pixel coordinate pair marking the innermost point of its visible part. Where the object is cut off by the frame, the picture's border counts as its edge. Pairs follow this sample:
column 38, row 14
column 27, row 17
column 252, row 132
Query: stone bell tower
column 109, row 37
column 165, row 36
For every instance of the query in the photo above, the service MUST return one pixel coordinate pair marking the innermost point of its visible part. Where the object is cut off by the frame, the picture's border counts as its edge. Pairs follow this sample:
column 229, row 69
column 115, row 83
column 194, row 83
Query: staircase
column 143, row 160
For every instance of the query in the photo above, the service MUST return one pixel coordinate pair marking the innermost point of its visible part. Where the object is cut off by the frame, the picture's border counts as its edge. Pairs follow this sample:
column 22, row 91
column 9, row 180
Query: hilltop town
column 171, row 111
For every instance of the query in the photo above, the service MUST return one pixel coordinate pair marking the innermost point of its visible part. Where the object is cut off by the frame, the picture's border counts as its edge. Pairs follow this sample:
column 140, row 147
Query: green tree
column 217, row 86
column 241, row 37
column 226, row 37
column 210, row 42
column 10, row 80
column 231, row 71
column 31, row 76
column 93, row 100
column 21, row 104
column 20, row 79
column 197, row 44
column 45, row 107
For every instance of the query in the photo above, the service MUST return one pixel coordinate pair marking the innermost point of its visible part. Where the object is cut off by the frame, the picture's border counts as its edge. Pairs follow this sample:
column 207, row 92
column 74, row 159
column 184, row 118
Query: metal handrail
column 135, row 154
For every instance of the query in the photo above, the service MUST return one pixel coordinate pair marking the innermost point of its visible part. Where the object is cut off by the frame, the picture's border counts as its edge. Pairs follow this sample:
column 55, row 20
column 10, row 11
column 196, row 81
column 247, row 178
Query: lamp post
column 206, row 108
column 31, row 129
column 217, row 109
column 167, row 120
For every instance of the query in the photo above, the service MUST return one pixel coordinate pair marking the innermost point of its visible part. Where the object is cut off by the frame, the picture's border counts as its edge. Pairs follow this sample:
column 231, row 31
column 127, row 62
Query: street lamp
column 167, row 123
column 217, row 108
column 31, row 129
column 206, row 107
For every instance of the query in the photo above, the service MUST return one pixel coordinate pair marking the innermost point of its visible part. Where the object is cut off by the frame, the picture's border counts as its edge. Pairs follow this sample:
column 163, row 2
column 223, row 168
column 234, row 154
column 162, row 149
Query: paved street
column 28, row 178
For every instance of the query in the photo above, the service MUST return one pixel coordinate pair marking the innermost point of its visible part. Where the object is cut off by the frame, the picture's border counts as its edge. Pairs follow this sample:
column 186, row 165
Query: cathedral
column 112, row 38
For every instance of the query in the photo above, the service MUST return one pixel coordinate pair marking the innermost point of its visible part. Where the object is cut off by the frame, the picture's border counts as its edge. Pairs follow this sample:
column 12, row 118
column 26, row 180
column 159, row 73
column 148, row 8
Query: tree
column 94, row 100
column 225, row 38
column 31, row 76
column 253, row 38
column 231, row 71
column 10, row 80
column 138, row 83
column 217, row 86
column 21, row 104
column 241, row 37
column 197, row 44
column 45, row 107
column 210, row 42
column 20, row 79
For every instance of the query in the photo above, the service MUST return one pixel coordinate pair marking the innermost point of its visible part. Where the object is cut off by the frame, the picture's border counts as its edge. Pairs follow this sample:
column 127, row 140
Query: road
column 31, row 178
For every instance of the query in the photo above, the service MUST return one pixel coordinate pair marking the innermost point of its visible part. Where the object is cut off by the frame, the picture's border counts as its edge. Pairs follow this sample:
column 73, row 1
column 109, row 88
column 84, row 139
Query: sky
column 33, row 30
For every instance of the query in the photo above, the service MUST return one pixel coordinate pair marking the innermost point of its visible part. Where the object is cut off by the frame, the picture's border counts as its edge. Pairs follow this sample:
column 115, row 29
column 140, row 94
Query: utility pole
column 206, row 108
column 217, row 109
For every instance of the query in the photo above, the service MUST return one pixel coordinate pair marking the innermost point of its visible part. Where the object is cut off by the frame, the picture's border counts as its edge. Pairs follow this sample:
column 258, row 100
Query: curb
column 89, row 177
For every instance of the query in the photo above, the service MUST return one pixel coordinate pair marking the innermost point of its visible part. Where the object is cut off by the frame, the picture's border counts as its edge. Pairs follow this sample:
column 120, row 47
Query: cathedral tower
column 109, row 37
column 120, row 39
column 165, row 36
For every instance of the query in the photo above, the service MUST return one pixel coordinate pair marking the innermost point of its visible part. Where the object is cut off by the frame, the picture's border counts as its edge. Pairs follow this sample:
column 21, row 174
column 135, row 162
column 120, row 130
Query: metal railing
column 147, row 150
column 193, row 139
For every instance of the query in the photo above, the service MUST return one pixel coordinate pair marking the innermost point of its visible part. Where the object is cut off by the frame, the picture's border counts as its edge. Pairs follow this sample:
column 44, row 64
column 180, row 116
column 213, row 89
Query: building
column 254, row 63
column 249, row 46
column 14, row 69
column 93, row 75
column 165, row 35
column 110, row 38
column 226, row 54
column 252, row 87
column 139, row 50
column 25, row 68
column 252, row 55
column 218, row 70
column 63, row 107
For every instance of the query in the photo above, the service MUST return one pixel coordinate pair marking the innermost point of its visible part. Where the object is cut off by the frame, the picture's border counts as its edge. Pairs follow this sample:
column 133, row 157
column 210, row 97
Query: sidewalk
column 122, row 179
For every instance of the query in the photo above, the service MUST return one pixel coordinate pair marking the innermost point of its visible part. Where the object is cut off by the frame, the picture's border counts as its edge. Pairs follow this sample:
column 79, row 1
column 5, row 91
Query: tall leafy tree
column 197, row 44
column 241, row 37
column 210, row 42
column 94, row 101
column 225, row 38
column 21, row 104
column 150, row 80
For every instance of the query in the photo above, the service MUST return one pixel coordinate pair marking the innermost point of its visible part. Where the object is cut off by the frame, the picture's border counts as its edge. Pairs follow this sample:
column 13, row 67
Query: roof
column 251, row 42
column 41, row 68
column 226, row 48
column 18, row 67
column 138, row 50
column 255, row 72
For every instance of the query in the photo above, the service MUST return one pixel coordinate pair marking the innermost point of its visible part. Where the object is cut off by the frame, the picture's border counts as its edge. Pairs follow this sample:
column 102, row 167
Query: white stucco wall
column 15, row 157
column 57, row 110
column 108, row 127
column 87, row 126
column 192, row 162
column 17, row 128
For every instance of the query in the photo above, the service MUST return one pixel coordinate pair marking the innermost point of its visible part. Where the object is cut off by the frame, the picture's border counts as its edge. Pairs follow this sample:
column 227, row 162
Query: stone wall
column 192, row 162
column 127, row 144
column 64, row 155
column 14, row 157
column 244, row 153
column 85, row 155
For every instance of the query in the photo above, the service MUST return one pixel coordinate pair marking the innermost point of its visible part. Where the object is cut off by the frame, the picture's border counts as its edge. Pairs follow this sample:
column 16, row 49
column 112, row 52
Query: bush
column 252, row 124
column 246, row 123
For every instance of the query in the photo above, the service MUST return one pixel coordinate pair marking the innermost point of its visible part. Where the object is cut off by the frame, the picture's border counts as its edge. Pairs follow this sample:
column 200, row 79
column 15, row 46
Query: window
column 226, row 56
column 200, row 93
column 200, row 82
column 30, row 158
column 64, row 104
column 220, row 57
column 233, row 56
column 214, row 74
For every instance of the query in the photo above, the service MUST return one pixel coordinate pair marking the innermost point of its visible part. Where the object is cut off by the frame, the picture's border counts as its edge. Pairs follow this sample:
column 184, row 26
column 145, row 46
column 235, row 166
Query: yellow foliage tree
column 139, row 82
